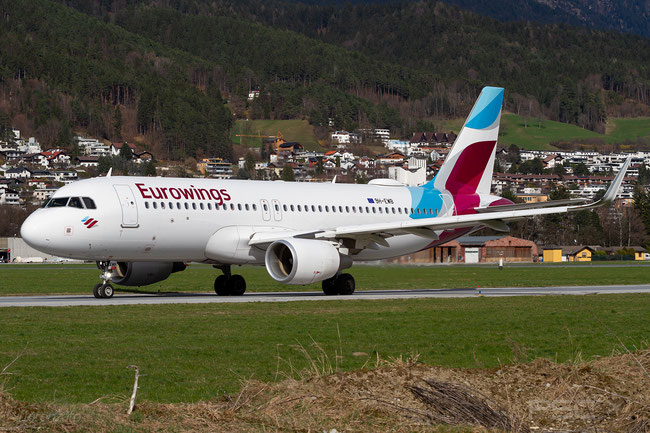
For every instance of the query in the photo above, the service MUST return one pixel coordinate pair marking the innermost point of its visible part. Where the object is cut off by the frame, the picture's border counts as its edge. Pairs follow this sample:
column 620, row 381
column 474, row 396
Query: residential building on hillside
column 93, row 147
column 215, row 167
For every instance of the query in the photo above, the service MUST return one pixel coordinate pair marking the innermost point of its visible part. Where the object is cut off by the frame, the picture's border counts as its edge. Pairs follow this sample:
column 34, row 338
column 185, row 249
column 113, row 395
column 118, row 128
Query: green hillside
column 292, row 130
column 621, row 129
column 536, row 134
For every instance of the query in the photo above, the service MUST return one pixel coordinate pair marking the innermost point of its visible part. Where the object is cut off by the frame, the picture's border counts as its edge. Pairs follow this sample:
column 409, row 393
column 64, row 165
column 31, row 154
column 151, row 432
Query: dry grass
column 604, row 394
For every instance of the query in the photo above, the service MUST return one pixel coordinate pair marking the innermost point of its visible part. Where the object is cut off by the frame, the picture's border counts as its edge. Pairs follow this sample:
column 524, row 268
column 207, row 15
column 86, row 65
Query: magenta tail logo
column 89, row 222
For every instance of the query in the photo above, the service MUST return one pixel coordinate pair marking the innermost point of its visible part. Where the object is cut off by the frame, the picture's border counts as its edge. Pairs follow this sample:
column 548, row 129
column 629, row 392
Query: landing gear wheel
column 221, row 285
column 96, row 293
column 236, row 285
column 329, row 286
column 345, row 284
column 106, row 291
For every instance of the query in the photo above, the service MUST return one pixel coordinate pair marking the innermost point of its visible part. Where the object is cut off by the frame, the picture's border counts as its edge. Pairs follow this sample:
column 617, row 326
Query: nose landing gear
column 228, row 284
column 104, row 289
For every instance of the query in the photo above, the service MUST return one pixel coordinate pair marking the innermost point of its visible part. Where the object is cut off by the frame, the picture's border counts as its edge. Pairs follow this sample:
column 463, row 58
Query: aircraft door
column 277, row 210
column 266, row 210
column 129, row 208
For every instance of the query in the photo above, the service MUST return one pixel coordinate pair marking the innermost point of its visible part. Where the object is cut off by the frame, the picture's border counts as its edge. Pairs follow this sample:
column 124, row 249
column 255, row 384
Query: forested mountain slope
column 62, row 71
column 626, row 16
column 568, row 74
column 160, row 70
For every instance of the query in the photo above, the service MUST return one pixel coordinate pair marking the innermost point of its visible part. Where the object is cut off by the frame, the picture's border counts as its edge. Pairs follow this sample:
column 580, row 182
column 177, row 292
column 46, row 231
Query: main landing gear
column 339, row 284
column 104, row 289
column 228, row 284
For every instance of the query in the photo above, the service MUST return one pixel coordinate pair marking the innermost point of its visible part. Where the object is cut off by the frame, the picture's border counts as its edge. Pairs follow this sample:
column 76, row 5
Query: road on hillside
column 211, row 298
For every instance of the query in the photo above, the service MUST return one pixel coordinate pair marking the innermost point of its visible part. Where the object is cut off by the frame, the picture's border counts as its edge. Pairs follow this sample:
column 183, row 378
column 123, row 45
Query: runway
column 211, row 298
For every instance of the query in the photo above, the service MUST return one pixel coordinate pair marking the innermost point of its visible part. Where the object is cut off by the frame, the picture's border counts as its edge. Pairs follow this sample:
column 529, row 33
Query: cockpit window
column 58, row 202
column 75, row 202
column 90, row 204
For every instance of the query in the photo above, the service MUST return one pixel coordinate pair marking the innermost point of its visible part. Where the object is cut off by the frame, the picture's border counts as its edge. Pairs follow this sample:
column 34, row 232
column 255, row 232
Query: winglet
column 110, row 170
column 611, row 192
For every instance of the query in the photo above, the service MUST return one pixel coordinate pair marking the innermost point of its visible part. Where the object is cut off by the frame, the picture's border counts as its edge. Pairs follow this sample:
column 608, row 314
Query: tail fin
column 469, row 165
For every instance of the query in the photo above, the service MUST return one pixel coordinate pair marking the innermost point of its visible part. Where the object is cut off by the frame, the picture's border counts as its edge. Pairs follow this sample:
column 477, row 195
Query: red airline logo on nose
column 89, row 222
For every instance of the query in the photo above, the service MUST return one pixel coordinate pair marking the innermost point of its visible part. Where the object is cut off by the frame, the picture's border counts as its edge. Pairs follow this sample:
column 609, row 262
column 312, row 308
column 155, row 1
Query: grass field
column 58, row 279
column 198, row 352
column 292, row 130
column 74, row 279
column 538, row 134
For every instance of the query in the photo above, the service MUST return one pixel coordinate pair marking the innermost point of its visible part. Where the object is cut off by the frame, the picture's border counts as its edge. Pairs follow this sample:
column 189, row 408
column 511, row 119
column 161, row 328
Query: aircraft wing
column 426, row 227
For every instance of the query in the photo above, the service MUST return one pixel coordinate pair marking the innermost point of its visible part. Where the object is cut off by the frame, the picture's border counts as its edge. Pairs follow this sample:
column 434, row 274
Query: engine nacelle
column 303, row 261
column 143, row 273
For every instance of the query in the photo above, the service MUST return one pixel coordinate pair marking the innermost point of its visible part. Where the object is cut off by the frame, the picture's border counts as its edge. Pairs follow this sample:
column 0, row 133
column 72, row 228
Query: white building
column 42, row 194
column 402, row 146
column 92, row 147
column 30, row 146
column 8, row 195
column 379, row 134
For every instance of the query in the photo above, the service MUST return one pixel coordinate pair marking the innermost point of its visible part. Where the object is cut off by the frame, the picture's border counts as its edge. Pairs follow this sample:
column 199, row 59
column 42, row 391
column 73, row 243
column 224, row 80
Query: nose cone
column 34, row 232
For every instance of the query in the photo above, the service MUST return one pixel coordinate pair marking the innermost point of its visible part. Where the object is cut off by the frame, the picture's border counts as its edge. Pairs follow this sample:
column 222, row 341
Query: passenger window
column 194, row 206
column 238, row 206
column 284, row 206
column 367, row 209
column 187, row 206
column 354, row 209
column 201, row 206
column 393, row 209
column 424, row 211
column 299, row 208
column 320, row 208
column 162, row 205
column 333, row 208
column 412, row 210
column 313, row 208
column 178, row 205
column 277, row 208
column 171, row 205
column 90, row 204
column 266, row 207
column 418, row 211
column 399, row 209
column 360, row 209
column 430, row 211
column 146, row 205
column 292, row 208
column 155, row 205
column 254, row 206
column 246, row 206
column 380, row 210
column 341, row 209
column 75, row 202
column 232, row 206
column 209, row 206
column 216, row 206
column 374, row 210
column 347, row 209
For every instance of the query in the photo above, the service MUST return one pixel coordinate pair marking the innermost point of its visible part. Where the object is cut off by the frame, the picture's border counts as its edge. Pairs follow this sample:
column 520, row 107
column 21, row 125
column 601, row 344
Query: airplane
column 140, row 230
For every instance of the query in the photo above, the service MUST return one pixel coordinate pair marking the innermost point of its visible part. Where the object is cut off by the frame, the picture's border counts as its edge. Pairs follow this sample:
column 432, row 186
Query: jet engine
column 303, row 261
column 143, row 273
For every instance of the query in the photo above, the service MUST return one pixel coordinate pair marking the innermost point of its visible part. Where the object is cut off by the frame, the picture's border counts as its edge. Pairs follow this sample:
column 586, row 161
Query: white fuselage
column 174, row 219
